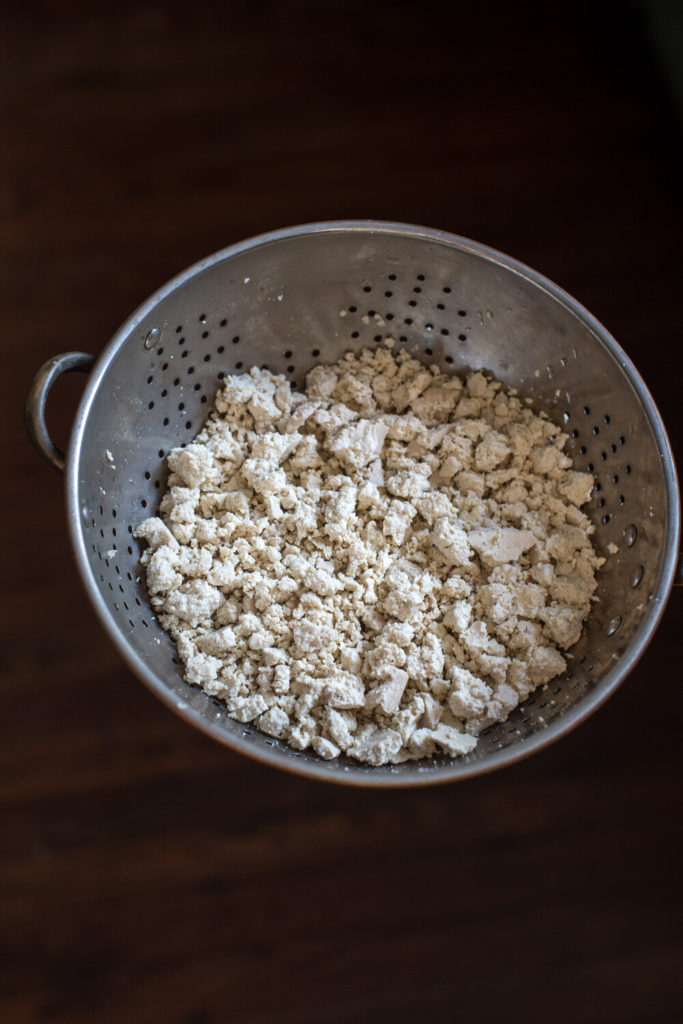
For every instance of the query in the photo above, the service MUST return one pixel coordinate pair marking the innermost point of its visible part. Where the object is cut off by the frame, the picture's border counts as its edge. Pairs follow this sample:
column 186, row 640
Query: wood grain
column 147, row 874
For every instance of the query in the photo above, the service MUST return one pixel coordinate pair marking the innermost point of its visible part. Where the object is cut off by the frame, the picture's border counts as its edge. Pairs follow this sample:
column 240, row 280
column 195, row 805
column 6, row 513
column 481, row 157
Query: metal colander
column 305, row 295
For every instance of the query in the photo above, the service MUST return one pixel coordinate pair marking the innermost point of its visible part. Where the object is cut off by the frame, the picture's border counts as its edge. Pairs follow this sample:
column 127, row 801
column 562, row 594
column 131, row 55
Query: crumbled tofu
column 376, row 745
column 387, row 696
column 381, row 567
column 577, row 487
column 501, row 544
column 274, row 722
column 191, row 464
column 359, row 443
column 452, row 541
column 156, row 533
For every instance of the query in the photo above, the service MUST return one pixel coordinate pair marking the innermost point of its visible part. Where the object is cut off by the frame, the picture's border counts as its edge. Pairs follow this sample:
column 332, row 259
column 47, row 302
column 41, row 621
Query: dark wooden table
column 148, row 874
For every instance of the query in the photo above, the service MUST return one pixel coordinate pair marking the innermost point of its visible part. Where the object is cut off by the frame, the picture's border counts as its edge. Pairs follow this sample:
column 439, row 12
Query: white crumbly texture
column 382, row 566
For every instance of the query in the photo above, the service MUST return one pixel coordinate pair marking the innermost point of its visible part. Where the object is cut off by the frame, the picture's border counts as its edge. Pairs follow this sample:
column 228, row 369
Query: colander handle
column 34, row 410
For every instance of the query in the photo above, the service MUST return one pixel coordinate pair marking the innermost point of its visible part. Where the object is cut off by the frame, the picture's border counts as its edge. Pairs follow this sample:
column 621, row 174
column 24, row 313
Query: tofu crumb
column 380, row 566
